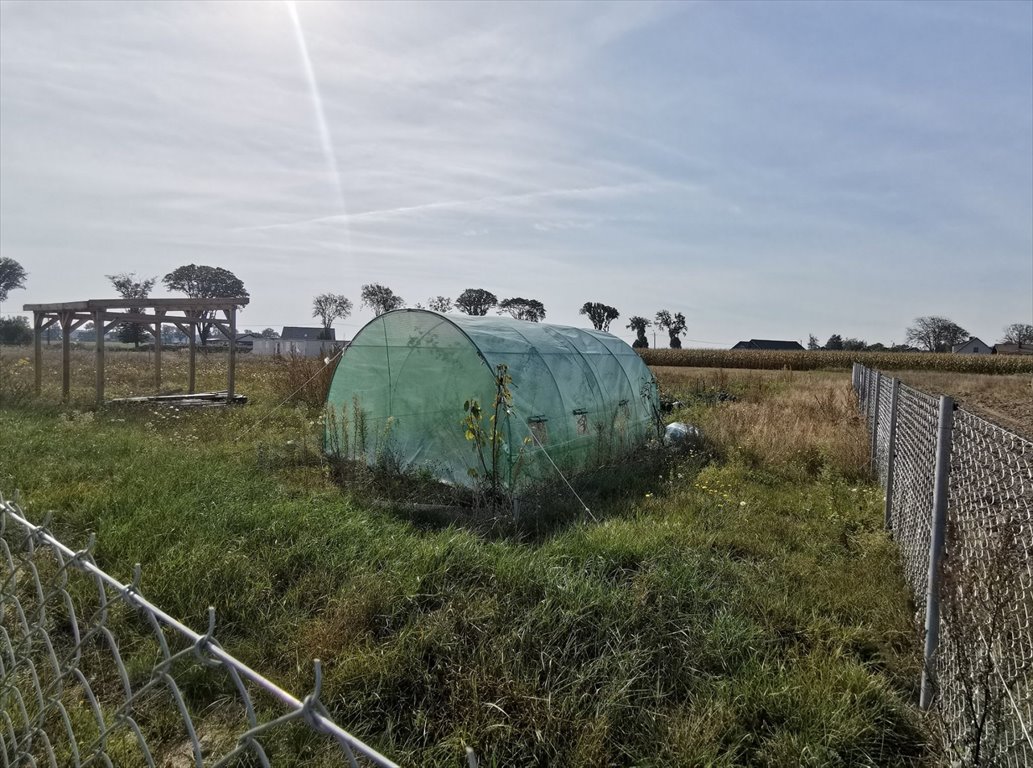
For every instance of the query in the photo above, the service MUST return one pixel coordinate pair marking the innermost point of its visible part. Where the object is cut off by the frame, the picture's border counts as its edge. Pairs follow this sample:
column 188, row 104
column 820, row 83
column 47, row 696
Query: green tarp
column 582, row 397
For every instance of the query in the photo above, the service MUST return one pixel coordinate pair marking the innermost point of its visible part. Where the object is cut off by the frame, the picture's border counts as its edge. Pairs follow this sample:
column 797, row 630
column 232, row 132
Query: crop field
column 735, row 605
column 1006, row 400
column 824, row 360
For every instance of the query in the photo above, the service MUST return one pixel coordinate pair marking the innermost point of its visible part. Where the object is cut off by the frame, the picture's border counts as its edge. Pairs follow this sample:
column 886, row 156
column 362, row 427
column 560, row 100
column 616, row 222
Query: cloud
column 768, row 171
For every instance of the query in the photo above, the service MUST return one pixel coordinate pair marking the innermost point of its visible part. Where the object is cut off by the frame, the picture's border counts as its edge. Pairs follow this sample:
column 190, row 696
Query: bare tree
column 600, row 314
column 935, row 334
column 1018, row 333
column 329, row 307
column 476, row 301
column 380, row 298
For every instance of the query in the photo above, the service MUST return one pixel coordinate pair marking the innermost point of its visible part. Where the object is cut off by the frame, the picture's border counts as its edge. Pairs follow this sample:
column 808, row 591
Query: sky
column 771, row 169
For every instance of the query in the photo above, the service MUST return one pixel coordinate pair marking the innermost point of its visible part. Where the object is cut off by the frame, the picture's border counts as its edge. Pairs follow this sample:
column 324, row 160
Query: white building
column 296, row 341
column 974, row 346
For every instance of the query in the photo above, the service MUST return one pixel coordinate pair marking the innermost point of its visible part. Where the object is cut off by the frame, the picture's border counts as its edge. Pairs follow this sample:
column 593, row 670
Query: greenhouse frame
column 474, row 400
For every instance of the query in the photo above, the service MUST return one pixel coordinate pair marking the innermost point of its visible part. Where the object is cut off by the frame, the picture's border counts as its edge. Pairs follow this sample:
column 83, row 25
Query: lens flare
column 317, row 102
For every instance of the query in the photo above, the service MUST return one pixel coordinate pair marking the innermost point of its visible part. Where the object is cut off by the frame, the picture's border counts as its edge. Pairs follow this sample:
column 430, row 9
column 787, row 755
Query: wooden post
column 66, row 355
column 98, row 345
column 193, row 356
column 37, row 340
column 232, row 314
column 157, row 353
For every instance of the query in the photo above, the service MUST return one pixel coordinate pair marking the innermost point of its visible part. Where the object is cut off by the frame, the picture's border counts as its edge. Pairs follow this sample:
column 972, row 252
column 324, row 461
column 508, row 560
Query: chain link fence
column 959, row 503
column 93, row 674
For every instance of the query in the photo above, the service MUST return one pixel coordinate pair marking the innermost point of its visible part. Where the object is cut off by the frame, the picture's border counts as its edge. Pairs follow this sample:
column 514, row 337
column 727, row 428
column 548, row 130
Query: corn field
column 806, row 360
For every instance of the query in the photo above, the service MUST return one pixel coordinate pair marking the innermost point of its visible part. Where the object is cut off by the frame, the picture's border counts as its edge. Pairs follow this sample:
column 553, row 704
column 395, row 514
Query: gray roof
column 301, row 333
column 767, row 344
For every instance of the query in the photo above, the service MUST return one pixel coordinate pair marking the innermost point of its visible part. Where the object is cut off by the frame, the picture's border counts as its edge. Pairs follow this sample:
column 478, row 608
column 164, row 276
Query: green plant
column 490, row 438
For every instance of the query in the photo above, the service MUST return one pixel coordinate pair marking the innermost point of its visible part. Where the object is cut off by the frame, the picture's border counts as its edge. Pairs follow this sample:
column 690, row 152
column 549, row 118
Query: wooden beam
column 66, row 355
column 98, row 345
column 223, row 303
column 223, row 329
column 37, row 342
column 193, row 357
column 157, row 357
column 232, row 315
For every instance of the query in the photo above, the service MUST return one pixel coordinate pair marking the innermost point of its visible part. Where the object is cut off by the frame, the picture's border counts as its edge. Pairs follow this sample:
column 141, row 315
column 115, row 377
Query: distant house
column 302, row 333
column 246, row 341
column 769, row 344
column 299, row 341
column 974, row 346
column 1013, row 349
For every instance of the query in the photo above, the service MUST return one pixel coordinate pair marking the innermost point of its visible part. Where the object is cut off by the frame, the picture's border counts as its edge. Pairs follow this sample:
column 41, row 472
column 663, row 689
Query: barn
column 415, row 389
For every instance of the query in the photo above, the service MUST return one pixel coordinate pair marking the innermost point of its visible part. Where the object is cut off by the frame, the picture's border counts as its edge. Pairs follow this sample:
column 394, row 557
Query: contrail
column 466, row 203
column 317, row 101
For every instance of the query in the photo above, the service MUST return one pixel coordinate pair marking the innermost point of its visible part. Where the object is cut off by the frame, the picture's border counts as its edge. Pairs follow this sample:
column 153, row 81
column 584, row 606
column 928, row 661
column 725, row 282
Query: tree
column 854, row 345
column 813, row 343
column 675, row 326
column 329, row 307
column 129, row 287
column 440, row 304
column 1018, row 333
column 476, row 301
column 935, row 334
column 639, row 325
column 600, row 314
column 12, row 276
column 15, row 330
column 380, row 298
column 531, row 310
column 835, row 342
column 199, row 281
column 269, row 333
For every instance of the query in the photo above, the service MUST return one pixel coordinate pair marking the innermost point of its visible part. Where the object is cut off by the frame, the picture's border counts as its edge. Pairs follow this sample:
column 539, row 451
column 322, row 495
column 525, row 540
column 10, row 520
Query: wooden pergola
column 186, row 314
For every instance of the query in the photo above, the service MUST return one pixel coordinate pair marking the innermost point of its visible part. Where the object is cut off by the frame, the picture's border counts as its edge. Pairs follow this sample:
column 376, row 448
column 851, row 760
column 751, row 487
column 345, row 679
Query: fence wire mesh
column 983, row 667
column 92, row 673
column 881, row 433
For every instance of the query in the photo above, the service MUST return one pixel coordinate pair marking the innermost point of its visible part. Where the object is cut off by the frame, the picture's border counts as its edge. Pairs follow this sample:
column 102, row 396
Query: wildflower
column 742, row 503
column 649, row 495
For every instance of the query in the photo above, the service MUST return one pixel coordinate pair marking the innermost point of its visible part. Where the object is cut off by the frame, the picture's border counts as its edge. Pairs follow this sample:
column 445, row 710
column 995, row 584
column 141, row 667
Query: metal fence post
column 875, row 425
column 936, row 542
column 891, row 450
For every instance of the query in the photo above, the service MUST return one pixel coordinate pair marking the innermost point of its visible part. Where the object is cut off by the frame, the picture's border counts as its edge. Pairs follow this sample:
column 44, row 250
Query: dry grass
column 808, row 421
column 130, row 373
column 1004, row 400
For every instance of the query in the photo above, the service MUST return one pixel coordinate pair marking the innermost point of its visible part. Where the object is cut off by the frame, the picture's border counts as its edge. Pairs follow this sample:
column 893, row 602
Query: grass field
column 736, row 606
column 1005, row 400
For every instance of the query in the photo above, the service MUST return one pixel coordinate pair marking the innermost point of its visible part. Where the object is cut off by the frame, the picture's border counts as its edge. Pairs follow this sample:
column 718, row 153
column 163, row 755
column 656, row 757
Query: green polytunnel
column 405, row 390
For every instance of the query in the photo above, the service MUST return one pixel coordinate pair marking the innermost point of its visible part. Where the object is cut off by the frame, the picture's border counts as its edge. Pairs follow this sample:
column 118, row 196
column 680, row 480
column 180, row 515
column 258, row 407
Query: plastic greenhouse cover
column 583, row 396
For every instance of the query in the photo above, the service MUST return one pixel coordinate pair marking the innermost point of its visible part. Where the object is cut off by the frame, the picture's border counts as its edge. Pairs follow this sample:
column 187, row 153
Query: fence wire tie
column 206, row 641
column 77, row 560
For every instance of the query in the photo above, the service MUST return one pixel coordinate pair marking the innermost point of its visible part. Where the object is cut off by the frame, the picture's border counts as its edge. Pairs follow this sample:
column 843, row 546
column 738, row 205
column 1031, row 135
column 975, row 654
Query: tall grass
column 796, row 422
column 744, row 612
